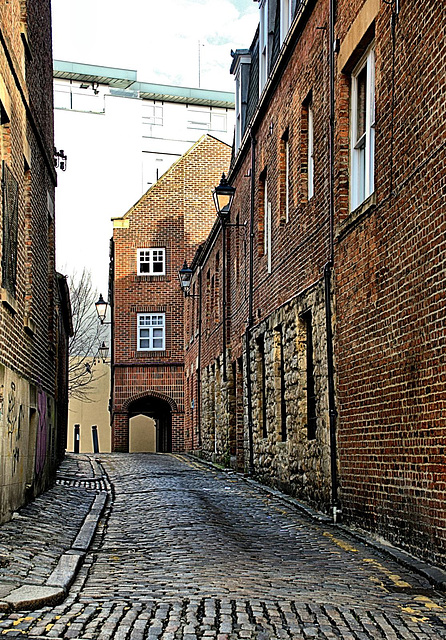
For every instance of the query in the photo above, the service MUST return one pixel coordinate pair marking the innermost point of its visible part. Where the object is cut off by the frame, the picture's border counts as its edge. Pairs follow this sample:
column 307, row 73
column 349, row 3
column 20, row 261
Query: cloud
column 158, row 39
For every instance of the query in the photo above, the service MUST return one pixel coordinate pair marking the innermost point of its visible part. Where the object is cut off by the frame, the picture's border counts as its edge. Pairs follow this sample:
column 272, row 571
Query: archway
column 159, row 411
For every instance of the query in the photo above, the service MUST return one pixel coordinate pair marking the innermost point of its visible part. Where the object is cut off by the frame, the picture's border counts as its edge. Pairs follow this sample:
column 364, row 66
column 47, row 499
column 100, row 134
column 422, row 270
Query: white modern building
column 120, row 135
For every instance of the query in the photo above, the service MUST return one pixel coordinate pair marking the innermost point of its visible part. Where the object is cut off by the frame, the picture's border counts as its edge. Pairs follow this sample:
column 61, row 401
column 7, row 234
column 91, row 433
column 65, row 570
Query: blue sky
column 158, row 38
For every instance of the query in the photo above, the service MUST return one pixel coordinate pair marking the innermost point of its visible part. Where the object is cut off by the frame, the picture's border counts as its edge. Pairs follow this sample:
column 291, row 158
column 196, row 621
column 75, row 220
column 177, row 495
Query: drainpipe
column 332, row 412
column 250, row 310
column 199, row 358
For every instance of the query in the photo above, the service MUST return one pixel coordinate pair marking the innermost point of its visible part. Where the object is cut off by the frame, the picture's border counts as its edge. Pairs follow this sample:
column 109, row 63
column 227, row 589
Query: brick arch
column 153, row 394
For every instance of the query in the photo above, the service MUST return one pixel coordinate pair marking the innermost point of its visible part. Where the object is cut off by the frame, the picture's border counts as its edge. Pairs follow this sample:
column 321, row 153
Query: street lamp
column 223, row 195
column 185, row 278
column 103, row 351
column 101, row 309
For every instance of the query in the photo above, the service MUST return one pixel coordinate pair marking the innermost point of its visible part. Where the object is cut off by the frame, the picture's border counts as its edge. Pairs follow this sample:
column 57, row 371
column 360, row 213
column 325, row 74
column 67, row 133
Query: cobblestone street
column 186, row 551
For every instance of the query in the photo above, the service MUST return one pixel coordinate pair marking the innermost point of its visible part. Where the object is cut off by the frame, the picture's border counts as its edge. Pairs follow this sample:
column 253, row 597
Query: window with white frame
column 310, row 159
column 362, row 129
column 285, row 18
column 151, row 262
column 151, row 331
column 207, row 119
column 263, row 44
column 152, row 114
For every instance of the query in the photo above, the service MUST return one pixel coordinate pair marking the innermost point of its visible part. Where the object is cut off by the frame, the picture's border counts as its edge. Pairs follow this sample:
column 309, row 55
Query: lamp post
column 101, row 309
column 223, row 195
column 185, row 278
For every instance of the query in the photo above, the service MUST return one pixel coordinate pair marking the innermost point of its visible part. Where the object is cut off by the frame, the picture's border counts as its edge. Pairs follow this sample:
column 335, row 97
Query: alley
column 187, row 551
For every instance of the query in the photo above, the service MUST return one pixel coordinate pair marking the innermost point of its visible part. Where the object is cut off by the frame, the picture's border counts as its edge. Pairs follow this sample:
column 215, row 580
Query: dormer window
column 285, row 18
column 240, row 69
column 263, row 45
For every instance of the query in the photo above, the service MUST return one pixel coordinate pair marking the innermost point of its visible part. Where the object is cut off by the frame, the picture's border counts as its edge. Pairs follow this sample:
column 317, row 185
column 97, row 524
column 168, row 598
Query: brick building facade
column 150, row 244
column 34, row 305
column 329, row 293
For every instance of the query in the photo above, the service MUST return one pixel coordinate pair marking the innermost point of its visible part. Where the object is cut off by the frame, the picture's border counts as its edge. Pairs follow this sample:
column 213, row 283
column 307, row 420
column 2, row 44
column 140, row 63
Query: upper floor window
column 310, row 145
column 285, row 18
column 10, row 199
column 152, row 114
column 263, row 44
column 207, row 119
column 362, row 129
column 151, row 331
column 151, row 262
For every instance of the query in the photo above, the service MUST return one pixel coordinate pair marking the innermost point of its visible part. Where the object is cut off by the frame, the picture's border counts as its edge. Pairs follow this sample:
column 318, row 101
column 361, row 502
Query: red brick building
column 34, row 305
column 319, row 330
column 150, row 244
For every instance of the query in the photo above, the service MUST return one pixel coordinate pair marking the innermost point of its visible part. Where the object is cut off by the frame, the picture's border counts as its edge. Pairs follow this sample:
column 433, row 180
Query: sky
column 160, row 39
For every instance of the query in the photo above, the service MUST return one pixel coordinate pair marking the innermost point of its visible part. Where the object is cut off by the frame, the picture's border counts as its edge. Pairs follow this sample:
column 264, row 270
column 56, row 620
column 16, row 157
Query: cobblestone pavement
column 187, row 552
column 30, row 558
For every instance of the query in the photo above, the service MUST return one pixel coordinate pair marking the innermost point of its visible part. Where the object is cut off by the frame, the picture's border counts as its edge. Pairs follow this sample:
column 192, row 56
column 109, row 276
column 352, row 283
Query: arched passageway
column 150, row 424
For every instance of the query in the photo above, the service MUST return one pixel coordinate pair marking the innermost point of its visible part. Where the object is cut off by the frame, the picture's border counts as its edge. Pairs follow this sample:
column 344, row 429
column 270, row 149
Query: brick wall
column 29, row 358
column 176, row 214
column 390, row 293
column 387, row 296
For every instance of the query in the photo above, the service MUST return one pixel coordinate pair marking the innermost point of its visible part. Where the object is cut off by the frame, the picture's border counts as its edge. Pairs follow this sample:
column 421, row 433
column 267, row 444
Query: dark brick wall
column 32, row 349
column 390, row 277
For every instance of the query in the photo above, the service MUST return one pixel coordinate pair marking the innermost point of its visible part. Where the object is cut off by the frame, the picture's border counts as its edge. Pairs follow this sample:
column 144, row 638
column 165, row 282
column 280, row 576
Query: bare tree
column 88, row 335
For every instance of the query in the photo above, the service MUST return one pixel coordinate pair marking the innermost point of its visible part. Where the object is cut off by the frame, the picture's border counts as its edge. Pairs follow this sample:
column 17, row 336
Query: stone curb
column 435, row 575
column 57, row 585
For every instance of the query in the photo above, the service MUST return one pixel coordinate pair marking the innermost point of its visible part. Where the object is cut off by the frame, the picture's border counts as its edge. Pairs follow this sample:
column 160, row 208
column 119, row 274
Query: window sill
column 8, row 300
column 356, row 216
column 29, row 326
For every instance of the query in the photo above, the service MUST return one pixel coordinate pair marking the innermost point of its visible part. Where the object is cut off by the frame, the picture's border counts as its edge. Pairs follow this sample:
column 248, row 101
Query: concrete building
column 34, row 301
column 314, row 341
column 150, row 244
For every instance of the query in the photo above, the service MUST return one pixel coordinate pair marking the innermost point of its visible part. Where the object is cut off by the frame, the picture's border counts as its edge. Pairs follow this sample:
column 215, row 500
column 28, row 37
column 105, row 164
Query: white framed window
column 362, row 130
column 263, row 44
column 207, row 120
column 310, row 158
column 152, row 114
column 285, row 18
column 151, row 331
column 151, row 262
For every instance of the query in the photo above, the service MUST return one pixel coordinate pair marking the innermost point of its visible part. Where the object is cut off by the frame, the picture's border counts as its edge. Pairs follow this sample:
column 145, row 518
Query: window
column 151, row 262
column 263, row 45
column 362, row 130
column 285, row 178
column 151, row 331
column 261, row 373
column 10, row 203
column 206, row 120
column 307, row 149
column 310, row 145
column 265, row 219
column 311, row 394
column 285, row 18
column 152, row 114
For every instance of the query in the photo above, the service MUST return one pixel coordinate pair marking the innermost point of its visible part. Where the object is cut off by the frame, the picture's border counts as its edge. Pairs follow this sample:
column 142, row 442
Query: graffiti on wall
column 14, row 423
column 42, row 431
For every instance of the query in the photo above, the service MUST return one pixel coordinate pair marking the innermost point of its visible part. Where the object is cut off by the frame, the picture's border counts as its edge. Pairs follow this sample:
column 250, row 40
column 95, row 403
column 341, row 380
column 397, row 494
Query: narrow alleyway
column 185, row 551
